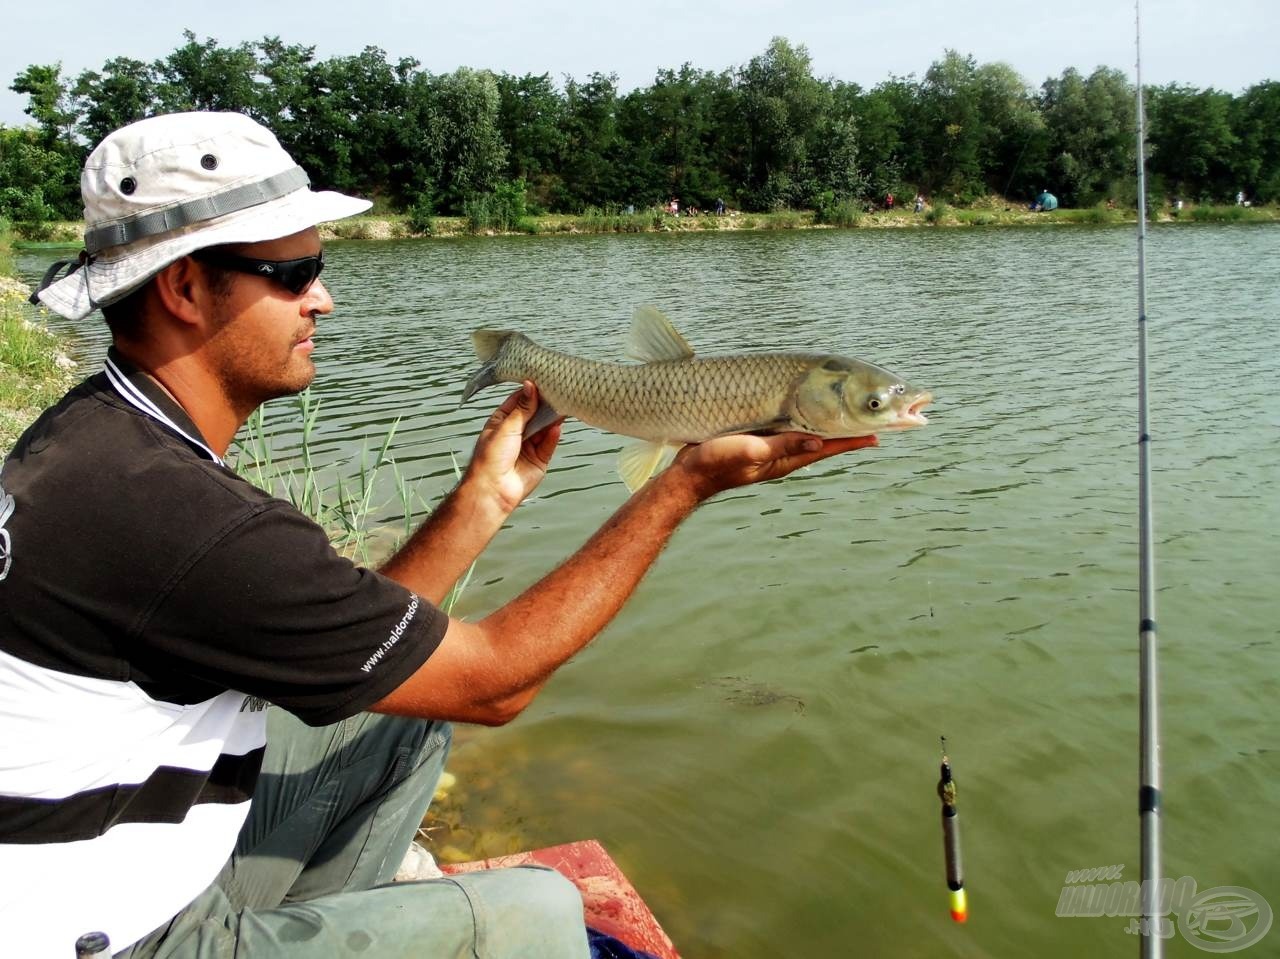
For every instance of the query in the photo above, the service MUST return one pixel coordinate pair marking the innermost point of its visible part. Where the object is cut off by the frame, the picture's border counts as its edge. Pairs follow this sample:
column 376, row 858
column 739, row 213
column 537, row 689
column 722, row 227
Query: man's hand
column 729, row 461
column 504, row 464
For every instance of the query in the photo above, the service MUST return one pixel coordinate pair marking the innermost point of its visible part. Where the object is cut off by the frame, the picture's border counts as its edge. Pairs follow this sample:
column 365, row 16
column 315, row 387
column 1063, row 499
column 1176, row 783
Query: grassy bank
column 988, row 211
column 35, row 369
column 991, row 211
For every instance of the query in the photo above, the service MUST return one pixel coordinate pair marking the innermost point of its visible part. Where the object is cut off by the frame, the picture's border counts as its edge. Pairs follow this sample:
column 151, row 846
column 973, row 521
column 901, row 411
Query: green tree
column 1192, row 142
column 124, row 91
column 1090, row 123
column 36, row 183
column 49, row 103
column 950, row 127
column 780, row 103
column 1255, row 121
column 205, row 76
column 347, row 124
column 1015, row 144
column 287, row 96
column 474, row 155
column 595, row 152
column 886, row 120
column 675, row 137
column 531, row 116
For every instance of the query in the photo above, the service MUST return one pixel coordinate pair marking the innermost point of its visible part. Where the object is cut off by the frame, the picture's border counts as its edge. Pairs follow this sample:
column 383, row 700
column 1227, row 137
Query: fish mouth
column 912, row 415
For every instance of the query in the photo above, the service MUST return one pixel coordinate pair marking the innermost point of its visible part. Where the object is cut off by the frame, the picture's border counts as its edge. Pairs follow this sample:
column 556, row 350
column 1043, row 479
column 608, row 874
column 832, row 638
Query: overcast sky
column 1226, row 44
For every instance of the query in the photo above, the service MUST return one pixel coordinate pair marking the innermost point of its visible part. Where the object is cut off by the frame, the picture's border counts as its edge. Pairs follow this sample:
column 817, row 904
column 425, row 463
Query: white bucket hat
column 162, row 188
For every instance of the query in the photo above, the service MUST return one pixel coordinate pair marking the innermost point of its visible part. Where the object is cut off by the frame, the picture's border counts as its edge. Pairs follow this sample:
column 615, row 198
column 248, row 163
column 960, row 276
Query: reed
column 1225, row 213
column 346, row 504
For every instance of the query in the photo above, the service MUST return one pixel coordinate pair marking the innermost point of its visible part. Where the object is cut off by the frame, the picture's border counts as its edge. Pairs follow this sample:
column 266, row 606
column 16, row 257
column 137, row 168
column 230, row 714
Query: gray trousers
column 332, row 817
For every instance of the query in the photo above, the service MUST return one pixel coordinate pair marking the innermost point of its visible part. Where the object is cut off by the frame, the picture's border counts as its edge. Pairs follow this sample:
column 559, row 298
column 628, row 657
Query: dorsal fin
column 653, row 339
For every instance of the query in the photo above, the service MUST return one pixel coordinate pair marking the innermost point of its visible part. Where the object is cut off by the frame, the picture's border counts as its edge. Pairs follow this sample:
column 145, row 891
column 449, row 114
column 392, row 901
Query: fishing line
column 1149, row 799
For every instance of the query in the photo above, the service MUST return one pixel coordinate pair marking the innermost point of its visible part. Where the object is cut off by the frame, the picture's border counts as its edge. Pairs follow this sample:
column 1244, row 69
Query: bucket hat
column 162, row 188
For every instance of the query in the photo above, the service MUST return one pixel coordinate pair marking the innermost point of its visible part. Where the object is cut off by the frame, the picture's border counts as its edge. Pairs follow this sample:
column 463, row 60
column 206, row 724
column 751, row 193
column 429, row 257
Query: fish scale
column 684, row 401
column 672, row 397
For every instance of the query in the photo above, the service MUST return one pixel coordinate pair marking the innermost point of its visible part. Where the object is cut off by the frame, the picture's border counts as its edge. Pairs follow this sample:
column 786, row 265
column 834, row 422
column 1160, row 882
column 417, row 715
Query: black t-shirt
column 136, row 557
column 151, row 603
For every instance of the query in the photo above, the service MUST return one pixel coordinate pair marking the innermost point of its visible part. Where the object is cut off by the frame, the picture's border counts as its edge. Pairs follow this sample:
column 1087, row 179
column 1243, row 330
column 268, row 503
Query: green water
column 755, row 739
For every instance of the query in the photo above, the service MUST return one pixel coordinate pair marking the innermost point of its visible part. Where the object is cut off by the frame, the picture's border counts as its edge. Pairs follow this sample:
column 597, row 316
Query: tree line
column 765, row 135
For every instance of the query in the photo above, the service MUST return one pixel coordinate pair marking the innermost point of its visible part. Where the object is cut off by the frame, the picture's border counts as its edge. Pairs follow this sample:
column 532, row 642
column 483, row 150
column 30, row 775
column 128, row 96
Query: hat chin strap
column 51, row 275
column 202, row 208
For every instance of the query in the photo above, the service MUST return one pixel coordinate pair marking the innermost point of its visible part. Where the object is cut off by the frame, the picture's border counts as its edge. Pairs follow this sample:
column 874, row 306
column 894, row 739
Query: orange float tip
column 959, row 905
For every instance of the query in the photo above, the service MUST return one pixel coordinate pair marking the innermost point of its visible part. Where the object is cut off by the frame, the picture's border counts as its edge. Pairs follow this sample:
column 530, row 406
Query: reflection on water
column 755, row 738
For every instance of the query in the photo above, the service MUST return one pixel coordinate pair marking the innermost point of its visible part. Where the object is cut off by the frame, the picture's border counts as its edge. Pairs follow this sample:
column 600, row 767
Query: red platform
column 612, row 903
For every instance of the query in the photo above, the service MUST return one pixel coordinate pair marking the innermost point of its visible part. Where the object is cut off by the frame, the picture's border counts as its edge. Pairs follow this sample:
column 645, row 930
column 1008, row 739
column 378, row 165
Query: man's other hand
column 730, row 461
column 505, row 464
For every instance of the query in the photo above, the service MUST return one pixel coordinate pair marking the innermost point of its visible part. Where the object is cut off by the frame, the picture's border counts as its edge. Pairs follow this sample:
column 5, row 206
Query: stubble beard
column 251, row 372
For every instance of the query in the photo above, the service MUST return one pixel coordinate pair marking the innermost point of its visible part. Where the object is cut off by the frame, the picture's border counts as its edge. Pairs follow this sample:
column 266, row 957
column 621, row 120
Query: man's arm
column 504, row 469
column 487, row 672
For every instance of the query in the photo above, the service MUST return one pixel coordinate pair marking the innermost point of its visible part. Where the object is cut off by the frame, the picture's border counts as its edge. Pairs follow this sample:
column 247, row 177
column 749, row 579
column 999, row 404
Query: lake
column 755, row 739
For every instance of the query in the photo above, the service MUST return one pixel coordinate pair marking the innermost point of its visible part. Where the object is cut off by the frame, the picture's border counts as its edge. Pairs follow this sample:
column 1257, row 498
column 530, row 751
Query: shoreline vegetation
column 35, row 365
column 987, row 211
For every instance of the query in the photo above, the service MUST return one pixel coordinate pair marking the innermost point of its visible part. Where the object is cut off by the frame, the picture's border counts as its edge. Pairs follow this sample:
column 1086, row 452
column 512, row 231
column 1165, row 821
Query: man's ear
column 183, row 290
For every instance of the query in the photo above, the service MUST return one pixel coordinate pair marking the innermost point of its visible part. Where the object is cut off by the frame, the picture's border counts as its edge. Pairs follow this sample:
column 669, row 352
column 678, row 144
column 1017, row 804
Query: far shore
column 990, row 212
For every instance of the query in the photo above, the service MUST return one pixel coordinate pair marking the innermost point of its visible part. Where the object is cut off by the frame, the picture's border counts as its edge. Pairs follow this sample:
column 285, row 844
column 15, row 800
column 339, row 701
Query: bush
column 1212, row 213
column 502, row 210
column 937, row 214
column 835, row 211
column 421, row 217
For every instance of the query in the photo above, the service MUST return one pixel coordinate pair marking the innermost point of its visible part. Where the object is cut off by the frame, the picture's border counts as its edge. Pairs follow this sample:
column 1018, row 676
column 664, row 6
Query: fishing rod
column 1150, row 943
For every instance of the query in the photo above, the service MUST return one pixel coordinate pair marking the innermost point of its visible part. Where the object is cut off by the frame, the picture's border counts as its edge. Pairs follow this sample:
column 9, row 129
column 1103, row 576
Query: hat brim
column 116, row 273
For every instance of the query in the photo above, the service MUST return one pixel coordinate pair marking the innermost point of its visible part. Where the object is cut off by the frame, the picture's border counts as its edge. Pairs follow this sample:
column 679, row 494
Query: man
column 154, row 604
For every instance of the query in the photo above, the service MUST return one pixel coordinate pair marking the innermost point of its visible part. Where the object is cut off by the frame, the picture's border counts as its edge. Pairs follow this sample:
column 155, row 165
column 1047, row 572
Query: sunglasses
column 296, row 276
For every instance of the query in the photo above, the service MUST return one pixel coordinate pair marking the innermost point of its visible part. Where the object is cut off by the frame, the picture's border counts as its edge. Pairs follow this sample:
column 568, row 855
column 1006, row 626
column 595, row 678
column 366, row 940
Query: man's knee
column 531, row 912
column 553, row 896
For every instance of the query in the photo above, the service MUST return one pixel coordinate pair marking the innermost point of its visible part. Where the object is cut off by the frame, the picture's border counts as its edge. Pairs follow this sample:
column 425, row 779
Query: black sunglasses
column 296, row 276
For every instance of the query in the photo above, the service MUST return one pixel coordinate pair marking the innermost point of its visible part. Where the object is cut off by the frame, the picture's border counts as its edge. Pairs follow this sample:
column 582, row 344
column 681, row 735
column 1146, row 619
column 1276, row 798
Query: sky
column 1225, row 44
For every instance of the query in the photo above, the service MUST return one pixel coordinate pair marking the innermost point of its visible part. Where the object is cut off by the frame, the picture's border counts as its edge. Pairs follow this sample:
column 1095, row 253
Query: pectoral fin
column 638, row 461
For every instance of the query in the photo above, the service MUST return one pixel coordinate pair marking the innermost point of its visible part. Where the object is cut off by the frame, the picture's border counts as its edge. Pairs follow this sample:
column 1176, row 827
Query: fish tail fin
column 487, row 344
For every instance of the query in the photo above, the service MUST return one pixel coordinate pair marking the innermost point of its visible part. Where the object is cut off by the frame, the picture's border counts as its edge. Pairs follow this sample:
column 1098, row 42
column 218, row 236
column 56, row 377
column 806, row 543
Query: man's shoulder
column 94, row 476
column 93, row 444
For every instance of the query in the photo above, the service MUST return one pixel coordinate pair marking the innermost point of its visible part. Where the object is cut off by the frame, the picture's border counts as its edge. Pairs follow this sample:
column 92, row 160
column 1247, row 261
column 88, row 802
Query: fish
column 671, row 397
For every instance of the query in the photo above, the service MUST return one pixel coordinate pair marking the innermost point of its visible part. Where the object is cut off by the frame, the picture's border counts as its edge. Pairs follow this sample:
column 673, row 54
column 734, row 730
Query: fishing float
column 951, row 840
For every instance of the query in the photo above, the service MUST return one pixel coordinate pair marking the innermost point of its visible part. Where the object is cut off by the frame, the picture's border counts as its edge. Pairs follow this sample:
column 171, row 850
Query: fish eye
column 874, row 402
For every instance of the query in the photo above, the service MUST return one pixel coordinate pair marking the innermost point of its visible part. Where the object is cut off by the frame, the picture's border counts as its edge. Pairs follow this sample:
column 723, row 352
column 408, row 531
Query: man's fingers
column 808, row 448
column 524, row 399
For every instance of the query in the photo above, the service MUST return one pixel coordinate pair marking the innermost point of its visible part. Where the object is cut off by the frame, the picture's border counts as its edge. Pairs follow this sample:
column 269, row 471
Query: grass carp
column 671, row 397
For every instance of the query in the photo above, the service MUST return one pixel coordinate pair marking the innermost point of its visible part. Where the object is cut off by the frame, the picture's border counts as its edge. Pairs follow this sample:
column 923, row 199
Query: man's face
column 261, row 341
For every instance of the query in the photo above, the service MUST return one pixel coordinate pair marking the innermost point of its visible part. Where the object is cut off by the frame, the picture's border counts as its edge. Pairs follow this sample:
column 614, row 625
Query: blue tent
column 1047, row 201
